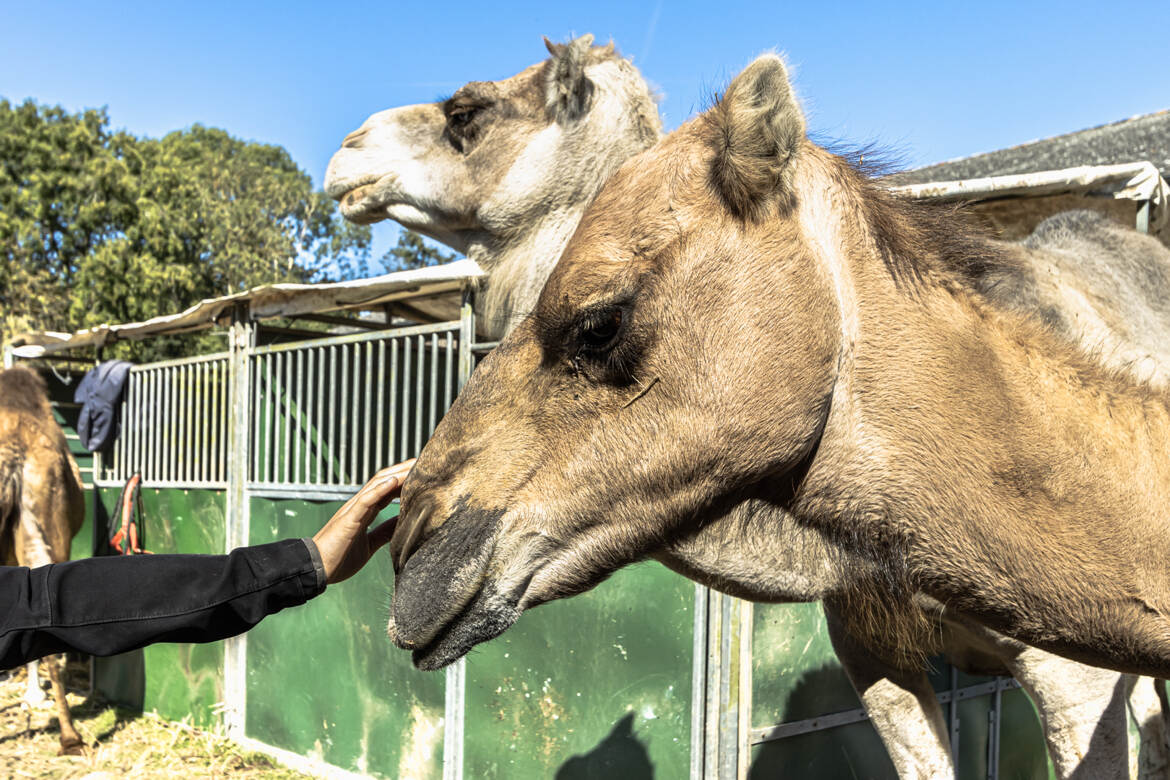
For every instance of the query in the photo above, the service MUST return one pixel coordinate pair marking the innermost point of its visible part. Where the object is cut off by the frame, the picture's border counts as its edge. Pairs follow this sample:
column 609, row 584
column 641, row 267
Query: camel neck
column 1017, row 480
column 518, row 268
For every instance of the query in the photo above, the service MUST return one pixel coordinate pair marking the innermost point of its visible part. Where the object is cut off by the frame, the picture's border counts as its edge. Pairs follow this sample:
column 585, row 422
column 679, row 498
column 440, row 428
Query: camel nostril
column 354, row 139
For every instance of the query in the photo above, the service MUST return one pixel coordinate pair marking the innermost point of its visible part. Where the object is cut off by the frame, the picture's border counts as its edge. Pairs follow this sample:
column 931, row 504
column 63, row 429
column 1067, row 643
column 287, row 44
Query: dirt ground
column 122, row 743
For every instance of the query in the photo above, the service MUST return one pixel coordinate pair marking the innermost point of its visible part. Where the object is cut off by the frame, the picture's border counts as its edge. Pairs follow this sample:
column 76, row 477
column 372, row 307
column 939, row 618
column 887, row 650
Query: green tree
column 65, row 189
column 413, row 251
column 104, row 227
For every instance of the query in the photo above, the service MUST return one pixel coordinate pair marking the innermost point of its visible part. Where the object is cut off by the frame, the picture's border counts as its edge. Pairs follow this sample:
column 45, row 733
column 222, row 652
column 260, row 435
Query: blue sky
column 934, row 80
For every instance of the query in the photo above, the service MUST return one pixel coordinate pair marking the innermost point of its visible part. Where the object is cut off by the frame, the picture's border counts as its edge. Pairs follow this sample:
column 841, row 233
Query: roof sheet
column 436, row 291
column 1145, row 137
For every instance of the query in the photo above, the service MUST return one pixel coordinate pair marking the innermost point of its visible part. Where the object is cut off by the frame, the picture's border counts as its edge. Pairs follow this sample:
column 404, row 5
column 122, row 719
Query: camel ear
column 758, row 128
column 568, row 92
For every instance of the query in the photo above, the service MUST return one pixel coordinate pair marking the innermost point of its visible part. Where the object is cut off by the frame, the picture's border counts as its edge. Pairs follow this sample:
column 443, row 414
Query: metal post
column 455, row 701
column 954, row 715
column 240, row 344
column 699, row 681
column 1143, row 217
column 995, row 716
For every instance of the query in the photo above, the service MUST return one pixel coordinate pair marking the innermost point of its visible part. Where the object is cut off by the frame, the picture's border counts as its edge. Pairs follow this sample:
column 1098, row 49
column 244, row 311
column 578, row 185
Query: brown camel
column 41, row 503
column 743, row 319
column 402, row 164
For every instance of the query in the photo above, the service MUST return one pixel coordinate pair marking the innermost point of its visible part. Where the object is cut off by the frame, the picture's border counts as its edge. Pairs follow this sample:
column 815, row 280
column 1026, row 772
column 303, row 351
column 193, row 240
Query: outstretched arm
column 109, row 605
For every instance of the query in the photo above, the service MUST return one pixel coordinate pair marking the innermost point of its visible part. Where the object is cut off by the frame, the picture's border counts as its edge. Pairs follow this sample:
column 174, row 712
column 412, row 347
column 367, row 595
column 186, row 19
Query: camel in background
column 414, row 165
column 502, row 170
column 42, row 505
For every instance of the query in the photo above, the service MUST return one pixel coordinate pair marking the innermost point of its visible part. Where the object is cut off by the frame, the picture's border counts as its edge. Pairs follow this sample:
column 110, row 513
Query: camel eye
column 599, row 334
column 461, row 117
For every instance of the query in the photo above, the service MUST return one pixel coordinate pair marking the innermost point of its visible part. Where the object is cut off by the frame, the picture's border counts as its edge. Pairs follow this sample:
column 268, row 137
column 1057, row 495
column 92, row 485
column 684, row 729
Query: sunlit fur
column 41, row 500
column 502, row 170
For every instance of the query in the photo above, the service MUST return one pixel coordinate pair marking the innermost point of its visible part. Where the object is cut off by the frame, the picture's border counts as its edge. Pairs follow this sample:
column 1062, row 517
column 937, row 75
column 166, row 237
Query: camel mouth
column 487, row 616
column 361, row 205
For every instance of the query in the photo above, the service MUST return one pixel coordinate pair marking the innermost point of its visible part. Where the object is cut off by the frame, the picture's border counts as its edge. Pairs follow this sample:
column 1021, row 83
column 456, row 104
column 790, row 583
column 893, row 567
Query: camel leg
column 34, row 695
column 1146, row 709
column 35, row 548
column 1082, row 708
column 902, row 707
column 71, row 744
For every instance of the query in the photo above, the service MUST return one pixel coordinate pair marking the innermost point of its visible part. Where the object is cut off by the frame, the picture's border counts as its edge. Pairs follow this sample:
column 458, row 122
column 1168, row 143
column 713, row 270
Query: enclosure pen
column 266, row 440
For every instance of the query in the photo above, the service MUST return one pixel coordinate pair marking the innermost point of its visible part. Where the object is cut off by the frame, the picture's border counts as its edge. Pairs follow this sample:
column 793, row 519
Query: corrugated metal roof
column 436, row 290
column 1140, row 138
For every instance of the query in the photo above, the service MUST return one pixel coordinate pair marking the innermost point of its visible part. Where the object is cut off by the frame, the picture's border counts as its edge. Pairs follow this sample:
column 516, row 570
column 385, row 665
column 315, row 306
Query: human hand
column 346, row 543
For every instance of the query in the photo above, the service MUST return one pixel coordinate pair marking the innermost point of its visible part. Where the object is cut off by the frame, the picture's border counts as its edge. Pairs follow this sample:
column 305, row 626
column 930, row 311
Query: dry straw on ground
column 123, row 743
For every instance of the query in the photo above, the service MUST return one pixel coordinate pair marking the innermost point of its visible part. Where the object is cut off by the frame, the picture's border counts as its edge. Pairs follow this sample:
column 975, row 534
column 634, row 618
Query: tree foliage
column 100, row 226
column 413, row 251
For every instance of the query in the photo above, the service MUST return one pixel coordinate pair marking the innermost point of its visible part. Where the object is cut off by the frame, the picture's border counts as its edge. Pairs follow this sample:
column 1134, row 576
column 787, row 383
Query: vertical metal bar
column 743, row 702
column 300, row 426
column 122, row 442
column 355, row 422
column 698, row 681
column 257, row 424
column 714, row 665
column 320, row 410
column 217, row 410
column 420, row 346
column 207, row 416
column 953, row 715
column 169, row 424
column 453, row 705
column 208, row 468
column 201, row 417
column 142, row 449
column 185, row 427
column 333, row 380
column 368, row 389
column 307, row 418
column 156, row 434
column 995, row 715
column 269, row 417
column 343, row 398
column 466, row 338
column 729, row 690
column 286, row 398
column 380, row 379
column 237, row 504
column 163, row 425
column 405, row 435
column 434, row 376
column 1143, row 217
column 391, row 427
column 448, row 379
column 132, row 422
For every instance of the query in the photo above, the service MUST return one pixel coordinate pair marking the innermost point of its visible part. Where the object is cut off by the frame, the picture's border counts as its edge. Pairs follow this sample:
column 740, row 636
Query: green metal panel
column 324, row 681
column 595, row 686
column 795, row 676
column 181, row 680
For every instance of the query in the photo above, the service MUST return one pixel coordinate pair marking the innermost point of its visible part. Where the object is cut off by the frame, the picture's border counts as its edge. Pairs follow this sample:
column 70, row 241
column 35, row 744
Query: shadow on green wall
column 845, row 751
column 620, row 754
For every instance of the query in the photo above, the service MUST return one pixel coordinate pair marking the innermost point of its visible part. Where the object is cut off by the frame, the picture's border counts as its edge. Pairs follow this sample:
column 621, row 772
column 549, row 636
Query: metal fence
column 174, row 417
column 323, row 414
column 329, row 413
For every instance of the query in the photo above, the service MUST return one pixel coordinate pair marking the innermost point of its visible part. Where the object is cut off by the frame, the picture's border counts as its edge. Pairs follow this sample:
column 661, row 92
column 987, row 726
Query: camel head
column 681, row 356
column 500, row 163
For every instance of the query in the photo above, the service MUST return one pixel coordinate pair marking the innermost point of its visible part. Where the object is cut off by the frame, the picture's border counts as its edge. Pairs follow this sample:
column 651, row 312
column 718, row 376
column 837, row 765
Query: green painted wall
column 323, row 680
column 176, row 680
column 795, row 675
column 597, row 686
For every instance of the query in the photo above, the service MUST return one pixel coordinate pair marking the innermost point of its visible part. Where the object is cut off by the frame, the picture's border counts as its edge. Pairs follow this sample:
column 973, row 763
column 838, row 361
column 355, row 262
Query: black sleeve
column 109, row 605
